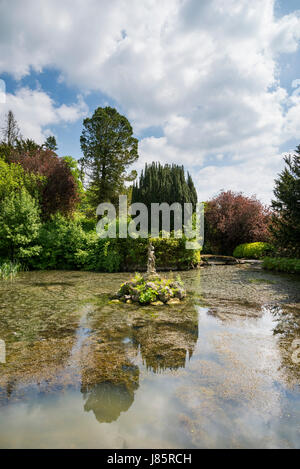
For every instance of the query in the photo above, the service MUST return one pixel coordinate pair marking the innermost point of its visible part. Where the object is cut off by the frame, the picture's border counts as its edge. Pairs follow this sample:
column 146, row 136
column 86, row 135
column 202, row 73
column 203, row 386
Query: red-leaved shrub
column 60, row 193
column 232, row 219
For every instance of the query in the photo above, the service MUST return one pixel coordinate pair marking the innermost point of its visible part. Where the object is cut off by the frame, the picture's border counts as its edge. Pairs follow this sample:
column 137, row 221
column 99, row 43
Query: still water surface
column 215, row 371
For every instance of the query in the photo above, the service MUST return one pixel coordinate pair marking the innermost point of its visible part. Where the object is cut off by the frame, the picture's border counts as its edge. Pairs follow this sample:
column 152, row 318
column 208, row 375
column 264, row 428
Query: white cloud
column 35, row 111
column 205, row 71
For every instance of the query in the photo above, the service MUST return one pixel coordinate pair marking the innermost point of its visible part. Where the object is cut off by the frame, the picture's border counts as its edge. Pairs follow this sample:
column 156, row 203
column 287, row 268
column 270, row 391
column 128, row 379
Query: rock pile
column 153, row 290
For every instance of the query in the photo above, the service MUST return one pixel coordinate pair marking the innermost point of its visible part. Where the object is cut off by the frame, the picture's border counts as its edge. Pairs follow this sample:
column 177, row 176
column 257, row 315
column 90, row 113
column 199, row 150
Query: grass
column 282, row 264
column 9, row 269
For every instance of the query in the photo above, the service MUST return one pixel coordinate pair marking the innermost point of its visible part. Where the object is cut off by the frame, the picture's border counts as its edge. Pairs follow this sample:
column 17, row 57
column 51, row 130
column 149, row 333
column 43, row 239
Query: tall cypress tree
column 158, row 184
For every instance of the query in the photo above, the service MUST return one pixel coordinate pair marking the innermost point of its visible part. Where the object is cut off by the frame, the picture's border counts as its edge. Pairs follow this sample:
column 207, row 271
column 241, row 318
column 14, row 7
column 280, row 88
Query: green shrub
column 103, row 255
column 148, row 296
column 19, row 226
column 252, row 250
column 13, row 178
column 170, row 253
column 282, row 265
column 62, row 239
column 72, row 243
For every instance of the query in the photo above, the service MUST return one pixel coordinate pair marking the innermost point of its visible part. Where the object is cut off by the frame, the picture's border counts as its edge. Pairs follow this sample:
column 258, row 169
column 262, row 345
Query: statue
column 151, row 260
column 151, row 288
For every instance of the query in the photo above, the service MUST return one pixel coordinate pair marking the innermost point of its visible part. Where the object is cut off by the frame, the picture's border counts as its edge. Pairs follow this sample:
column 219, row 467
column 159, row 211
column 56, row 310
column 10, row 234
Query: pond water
column 220, row 370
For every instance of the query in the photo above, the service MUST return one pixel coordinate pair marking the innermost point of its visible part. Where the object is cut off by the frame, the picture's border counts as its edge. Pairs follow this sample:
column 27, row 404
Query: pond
column 220, row 370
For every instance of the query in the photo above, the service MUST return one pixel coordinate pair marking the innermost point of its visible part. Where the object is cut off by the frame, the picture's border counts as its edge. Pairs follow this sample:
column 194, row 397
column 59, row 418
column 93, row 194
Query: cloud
column 35, row 111
column 206, row 73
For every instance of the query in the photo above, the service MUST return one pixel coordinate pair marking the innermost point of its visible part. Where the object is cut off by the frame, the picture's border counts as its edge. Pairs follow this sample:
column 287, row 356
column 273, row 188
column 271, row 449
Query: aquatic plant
column 9, row 269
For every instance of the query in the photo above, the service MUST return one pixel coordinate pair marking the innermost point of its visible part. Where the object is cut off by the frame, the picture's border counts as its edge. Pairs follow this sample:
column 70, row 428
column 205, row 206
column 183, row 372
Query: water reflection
column 214, row 371
column 122, row 341
column 107, row 401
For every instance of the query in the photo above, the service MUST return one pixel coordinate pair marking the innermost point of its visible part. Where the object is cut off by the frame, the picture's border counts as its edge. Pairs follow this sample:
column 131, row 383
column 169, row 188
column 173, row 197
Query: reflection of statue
column 151, row 260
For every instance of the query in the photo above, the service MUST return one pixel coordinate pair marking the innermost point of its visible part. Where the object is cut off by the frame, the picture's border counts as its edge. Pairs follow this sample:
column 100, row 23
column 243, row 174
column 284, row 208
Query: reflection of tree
column 108, row 400
column 166, row 346
column 288, row 331
column 109, row 377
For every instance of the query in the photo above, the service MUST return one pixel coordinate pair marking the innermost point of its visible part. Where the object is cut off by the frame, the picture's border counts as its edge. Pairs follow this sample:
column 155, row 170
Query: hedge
column 282, row 264
column 65, row 244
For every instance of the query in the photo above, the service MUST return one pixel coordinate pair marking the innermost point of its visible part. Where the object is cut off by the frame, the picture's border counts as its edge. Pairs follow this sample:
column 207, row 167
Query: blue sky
column 211, row 84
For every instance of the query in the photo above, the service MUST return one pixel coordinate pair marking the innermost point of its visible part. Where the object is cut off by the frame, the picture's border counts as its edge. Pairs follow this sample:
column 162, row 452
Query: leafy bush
column 282, row 265
column 13, row 177
column 65, row 245
column 103, row 255
column 19, row 226
column 252, row 250
column 62, row 240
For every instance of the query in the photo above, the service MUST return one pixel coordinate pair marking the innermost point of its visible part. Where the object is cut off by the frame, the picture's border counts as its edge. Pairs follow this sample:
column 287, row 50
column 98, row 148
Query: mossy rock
column 153, row 290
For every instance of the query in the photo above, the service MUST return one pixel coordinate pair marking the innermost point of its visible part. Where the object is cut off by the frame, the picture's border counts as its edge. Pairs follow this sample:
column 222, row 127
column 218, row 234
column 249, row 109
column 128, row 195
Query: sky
column 210, row 84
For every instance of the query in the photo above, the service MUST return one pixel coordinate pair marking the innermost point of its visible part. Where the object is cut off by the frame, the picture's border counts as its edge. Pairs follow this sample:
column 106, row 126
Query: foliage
column 158, row 184
column 26, row 146
column 148, row 296
column 232, row 219
column 13, row 177
column 65, row 245
column 5, row 151
column 19, row 226
column 9, row 269
column 104, row 255
column 109, row 147
column 60, row 192
column 73, row 166
column 72, row 243
column 286, row 206
column 252, row 250
column 61, row 240
column 170, row 253
column 282, row 264
column 50, row 143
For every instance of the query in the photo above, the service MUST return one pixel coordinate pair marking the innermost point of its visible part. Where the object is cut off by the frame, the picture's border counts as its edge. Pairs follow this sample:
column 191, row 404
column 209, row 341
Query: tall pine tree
column 286, row 206
column 109, row 148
